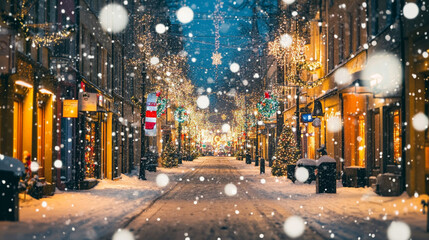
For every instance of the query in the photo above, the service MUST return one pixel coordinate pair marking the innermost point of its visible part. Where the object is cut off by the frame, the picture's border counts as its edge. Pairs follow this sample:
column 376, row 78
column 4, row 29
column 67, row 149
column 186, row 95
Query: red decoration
column 267, row 95
column 158, row 93
column 82, row 86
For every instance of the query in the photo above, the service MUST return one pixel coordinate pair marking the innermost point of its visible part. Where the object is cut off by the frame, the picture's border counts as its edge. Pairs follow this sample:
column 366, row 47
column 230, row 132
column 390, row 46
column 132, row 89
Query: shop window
column 92, row 148
column 341, row 42
column 361, row 141
column 374, row 17
column 355, row 129
column 427, row 130
column 358, row 29
column 17, row 129
column 394, row 144
column 397, row 137
column 351, row 33
column 41, row 139
column 331, row 52
column 103, row 146
column 375, row 131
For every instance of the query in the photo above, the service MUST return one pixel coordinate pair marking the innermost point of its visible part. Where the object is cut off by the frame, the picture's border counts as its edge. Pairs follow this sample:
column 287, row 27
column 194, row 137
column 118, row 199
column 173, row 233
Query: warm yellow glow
column 24, row 84
column 45, row 91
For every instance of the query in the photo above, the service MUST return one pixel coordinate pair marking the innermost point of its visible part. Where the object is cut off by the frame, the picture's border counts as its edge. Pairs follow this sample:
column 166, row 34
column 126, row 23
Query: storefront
column 97, row 135
column 417, row 102
column 34, row 104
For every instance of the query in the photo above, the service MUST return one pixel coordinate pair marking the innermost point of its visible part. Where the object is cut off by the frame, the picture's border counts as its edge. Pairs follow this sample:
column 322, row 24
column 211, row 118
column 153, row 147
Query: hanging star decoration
column 217, row 58
column 217, row 20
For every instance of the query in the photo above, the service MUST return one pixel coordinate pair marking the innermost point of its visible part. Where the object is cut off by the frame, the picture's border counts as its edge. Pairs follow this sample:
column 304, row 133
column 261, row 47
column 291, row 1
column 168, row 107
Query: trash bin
column 388, row 184
column 152, row 162
column 248, row 160
column 354, row 177
column 179, row 158
column 326, row 181
column 11, row 170
column 262, row 167
column 290, row 168
column 310, row 165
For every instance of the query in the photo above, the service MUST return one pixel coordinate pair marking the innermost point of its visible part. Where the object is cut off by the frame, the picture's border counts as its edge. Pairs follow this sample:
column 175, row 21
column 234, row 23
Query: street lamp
column 247, row 155
column 142, row 173
column 257, row 140
column 298, row 127
column 179, row 130
column 180, row 115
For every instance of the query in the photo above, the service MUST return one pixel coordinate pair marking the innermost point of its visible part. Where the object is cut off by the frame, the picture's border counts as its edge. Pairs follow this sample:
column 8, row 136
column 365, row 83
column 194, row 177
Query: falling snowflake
column 234, row 67
column 203, row 102
column 113, row 18
column 411, row 10
column 185, row 15
column 230, row 189
column 302, row 174
column 162, row 180
column 294, row 226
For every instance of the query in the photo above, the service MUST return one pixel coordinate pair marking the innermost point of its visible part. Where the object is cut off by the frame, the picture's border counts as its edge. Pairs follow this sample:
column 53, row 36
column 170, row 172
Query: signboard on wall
column 70, row 108
column 87, row 102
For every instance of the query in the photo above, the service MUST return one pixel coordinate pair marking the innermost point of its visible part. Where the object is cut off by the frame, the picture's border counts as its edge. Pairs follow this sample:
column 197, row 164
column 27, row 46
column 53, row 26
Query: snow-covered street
column 198, row 203
column 224, row 119
column 87, row 214
column 351, row 213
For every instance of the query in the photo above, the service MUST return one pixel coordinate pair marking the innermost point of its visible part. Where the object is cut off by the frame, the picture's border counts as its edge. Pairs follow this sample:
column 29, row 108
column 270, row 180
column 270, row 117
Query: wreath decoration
column 181, row 114
column 268, row 105
column 161, row 104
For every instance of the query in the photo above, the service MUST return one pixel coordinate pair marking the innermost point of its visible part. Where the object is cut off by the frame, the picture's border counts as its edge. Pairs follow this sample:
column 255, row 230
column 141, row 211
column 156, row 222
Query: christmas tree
column 286, row 152
column 168, row 155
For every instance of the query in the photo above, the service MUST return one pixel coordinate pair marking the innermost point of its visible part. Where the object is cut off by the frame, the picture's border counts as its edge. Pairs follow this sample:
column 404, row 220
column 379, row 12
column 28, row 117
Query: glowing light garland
column 52, row 38
column 18, row 21
column 294, row 58
column 217, row 19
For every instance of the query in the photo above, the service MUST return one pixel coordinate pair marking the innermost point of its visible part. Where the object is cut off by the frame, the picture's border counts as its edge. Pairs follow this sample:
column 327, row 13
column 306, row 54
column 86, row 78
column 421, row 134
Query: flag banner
column 150, row 120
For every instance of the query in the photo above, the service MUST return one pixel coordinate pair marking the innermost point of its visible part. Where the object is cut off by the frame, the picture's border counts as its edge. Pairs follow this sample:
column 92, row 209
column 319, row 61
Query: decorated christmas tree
column 286, row 152
column 167, row 157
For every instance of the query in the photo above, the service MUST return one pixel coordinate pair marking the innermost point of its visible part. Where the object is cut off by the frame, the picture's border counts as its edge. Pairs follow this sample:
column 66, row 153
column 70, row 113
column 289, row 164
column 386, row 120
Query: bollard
column 426, row 205
column 262, row 166
column 248, row 160
column 256, row 161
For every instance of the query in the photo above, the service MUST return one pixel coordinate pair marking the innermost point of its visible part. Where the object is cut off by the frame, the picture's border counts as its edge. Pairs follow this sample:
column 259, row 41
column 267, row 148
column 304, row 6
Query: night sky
column 235, row 46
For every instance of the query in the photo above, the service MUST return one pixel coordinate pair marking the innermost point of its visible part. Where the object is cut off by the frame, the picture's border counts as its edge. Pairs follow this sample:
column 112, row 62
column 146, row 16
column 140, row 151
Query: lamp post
column 189, row 143
column 247, row 156
column 257, row 140
column 298, row 128
column 180, row 115
column 142, row 173
column 180, row 143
